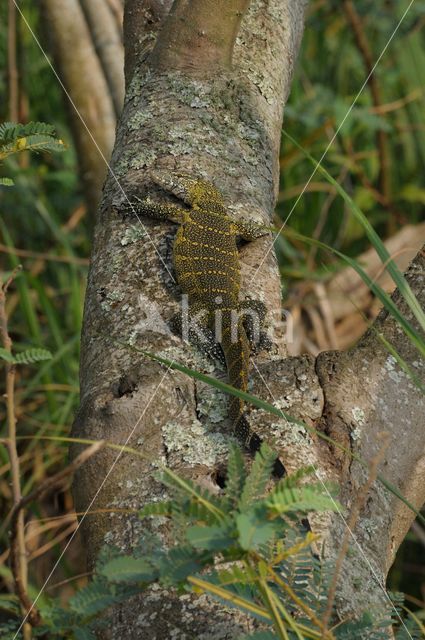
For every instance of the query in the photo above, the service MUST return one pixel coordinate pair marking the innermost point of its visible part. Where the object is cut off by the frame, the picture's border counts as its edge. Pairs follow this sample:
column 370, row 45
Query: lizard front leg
column 250, row 230
column 150, row 208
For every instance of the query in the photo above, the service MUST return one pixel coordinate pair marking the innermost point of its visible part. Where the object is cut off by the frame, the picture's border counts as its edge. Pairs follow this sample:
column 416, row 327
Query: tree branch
column 367, row 392
column 80, row 71
column 198, row 37
column 109, row 47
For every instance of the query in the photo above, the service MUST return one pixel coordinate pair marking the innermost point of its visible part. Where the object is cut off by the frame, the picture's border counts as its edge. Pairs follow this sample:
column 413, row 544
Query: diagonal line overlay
column 161, row 259
column 92, row 501
column 111, row 171
column 356, row 542
column 335, row 134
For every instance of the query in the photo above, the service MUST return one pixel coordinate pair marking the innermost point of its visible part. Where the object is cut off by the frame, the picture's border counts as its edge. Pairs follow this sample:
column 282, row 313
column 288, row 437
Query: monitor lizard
column 206, row 262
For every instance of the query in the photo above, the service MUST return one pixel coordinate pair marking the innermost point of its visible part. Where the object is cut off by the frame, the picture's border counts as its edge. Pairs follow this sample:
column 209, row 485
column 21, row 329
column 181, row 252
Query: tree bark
column 188, row 109
column 367, row 393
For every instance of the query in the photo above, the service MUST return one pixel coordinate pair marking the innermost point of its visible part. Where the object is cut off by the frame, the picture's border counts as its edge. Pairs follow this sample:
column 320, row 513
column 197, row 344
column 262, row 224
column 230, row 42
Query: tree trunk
column 206, row 97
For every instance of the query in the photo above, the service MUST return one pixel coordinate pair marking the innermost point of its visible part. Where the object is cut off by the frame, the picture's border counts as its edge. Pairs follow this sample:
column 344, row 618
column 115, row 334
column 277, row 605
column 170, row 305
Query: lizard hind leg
column 192, row 326
column 253, row 313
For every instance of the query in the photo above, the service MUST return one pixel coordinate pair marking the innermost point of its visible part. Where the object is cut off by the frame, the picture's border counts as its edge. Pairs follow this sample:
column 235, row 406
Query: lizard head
column 195, row 192
column 204, row 195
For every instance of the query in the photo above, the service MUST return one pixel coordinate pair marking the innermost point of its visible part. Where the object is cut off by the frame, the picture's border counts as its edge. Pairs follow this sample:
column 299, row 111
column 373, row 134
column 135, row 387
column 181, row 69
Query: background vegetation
column 378, row 156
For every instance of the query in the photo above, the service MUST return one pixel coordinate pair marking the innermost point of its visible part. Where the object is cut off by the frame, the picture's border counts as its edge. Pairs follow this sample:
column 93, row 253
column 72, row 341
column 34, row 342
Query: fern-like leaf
column 34, row 136
column 30, row 356
column 214, row 538
column 41, row 128
column 26, row 357
column 164, row 508
column 365, row 628
column 258, row 477
column 129, row 569
column 294, row 479
column 10, row 131
column 187, row 488
column 6, row 182
column 179, row 563
column 236, row 476
column 10, row 604
column 84, row 633
column 6, row 355
column 36, row 143
column 93, row 599
column 8, row 629
column 237, row 575
column 301, row 499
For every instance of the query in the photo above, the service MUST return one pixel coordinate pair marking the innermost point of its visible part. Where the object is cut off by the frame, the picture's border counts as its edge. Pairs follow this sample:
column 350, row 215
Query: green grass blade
column 386, row 300
column 376, row 241
column 262, row 404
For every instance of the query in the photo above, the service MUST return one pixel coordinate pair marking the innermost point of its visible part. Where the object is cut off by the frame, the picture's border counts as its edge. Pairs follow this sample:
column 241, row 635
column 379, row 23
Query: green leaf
column 354, row 628
column 255, row 483
column 6, row 355
column 255, row 530
column 10, row 604
column 10, row 131
column 203, row 496
column 381, row 250
column 210, row 538
column 179, row 563
column 301, row 499
column 39, row 143
column 164, row 508
column 26, row 357
column 34, row 136
column 6, row 182
column 129, row 569
column 236, row 476
column 58, row 618
column 8, row 629
column 31, row 356
column 413, row 193
column 93, row 599
column 294, row 479
column 236, row 575
column 39, row 127
column 194, row 510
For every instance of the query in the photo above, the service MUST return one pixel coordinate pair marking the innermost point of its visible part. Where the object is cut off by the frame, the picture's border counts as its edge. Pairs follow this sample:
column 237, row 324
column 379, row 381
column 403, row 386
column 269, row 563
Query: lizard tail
column 236, row 350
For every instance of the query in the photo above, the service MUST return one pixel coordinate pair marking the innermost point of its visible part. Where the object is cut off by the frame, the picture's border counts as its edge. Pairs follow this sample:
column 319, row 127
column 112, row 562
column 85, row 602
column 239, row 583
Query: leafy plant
column 245, row 547
column 29, row 356
column 33, row 136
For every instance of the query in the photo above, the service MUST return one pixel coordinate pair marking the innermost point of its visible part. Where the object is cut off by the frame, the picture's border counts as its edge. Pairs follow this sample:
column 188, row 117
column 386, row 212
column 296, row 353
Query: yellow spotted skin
column 206, row 262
